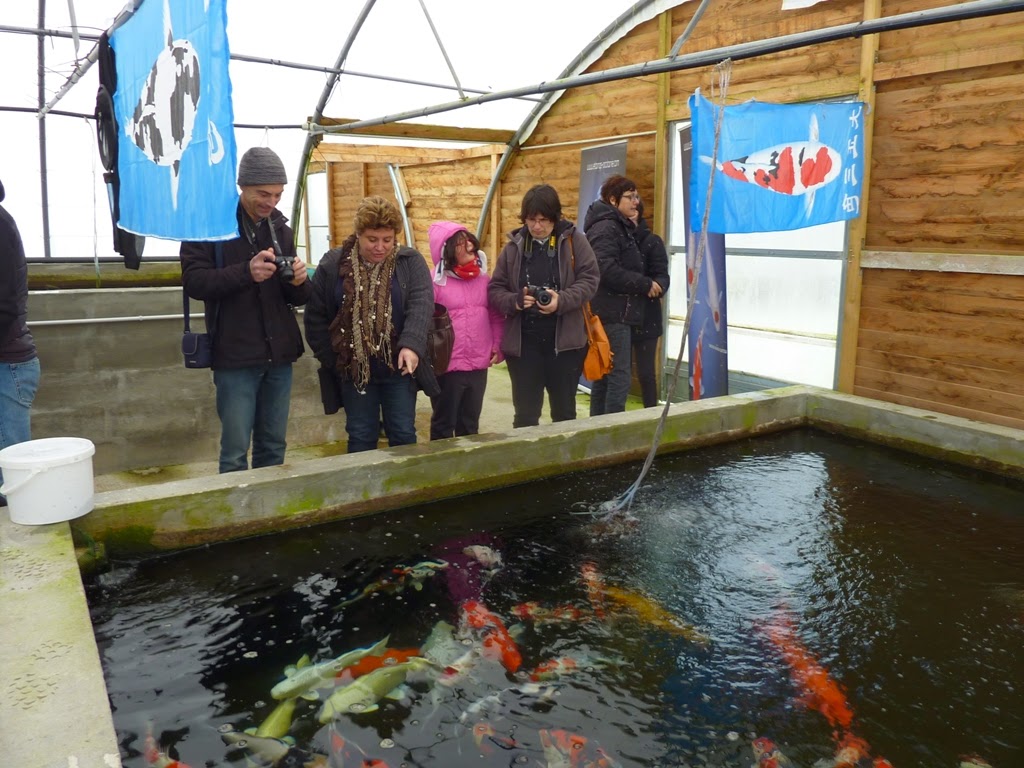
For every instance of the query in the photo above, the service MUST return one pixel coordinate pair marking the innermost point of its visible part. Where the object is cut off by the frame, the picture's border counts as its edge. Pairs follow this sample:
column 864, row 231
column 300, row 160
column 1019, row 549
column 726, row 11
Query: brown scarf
column 363, row 328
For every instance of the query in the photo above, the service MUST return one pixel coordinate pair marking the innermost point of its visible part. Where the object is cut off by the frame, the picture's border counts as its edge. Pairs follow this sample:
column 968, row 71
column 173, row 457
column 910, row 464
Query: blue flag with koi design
column 176, row 140
column 778, row 166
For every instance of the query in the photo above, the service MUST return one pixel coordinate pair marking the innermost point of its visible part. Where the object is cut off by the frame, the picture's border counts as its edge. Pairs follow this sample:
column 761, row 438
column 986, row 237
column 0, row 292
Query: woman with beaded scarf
column 367, row 321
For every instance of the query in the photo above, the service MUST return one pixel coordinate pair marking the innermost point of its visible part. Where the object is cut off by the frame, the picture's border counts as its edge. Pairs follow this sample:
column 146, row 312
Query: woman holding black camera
column 544, row 275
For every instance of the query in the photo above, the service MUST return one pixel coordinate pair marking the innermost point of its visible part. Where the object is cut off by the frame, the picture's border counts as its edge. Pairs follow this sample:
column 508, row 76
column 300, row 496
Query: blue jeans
column 252, row 404
column 608, row 395
column 391, row 398
column 18, row 385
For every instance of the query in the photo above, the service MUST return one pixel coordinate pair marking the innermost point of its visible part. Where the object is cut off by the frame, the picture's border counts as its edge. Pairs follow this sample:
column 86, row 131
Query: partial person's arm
column 201, row 277
column 586, row 278
column 11, row 251
column 317, row 316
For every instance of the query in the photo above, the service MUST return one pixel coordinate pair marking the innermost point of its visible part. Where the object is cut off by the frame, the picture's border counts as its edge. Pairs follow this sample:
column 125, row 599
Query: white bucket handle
column 7, row 489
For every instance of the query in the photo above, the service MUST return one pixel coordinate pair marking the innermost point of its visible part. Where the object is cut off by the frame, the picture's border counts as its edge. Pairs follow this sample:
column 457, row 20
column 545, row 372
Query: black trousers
column 645, row 352
column 457, row 409
column 539, row 369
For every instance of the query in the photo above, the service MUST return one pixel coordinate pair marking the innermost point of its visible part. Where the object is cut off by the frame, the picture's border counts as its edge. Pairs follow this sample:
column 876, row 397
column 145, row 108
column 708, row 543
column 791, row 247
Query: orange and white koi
column 563, row 749
column 595, row 588
column 347, row 754
column 564, row 665
column 767, row 754
column 153, row 754
column 495, row 638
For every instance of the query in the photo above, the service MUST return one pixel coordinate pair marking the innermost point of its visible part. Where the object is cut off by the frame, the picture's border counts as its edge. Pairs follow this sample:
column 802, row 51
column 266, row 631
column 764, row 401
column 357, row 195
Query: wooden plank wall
column 452, row 191
column 947, row 180
column 947, row 341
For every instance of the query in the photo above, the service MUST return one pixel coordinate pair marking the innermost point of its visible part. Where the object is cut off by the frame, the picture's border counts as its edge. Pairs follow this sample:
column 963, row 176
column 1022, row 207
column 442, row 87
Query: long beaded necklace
column 371, row 312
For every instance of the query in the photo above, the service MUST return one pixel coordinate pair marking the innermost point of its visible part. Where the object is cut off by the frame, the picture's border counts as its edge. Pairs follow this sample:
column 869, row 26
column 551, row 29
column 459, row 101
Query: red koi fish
column 595, row 588
column 563, row 749
column 767, row 754
column 539, row 614
column 496, row 641
column 553, row 668
column 820, row 691
column 154, row 756
column 389, row 658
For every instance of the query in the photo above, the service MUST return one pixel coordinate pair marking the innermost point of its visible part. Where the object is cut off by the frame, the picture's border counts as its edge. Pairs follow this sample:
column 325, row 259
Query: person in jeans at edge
column 19, row 365
column 545, row 338
column 250, row 307
column 624, row 286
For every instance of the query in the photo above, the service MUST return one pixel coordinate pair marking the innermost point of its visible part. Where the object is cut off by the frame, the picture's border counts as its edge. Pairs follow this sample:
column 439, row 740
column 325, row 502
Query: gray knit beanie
column 261, row 165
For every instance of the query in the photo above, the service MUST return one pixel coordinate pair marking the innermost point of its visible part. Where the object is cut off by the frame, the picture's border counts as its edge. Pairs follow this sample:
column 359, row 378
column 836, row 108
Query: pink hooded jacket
column 478, row 328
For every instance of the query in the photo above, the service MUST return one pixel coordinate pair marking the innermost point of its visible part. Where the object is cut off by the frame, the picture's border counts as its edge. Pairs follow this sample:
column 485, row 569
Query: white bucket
column 48, row 480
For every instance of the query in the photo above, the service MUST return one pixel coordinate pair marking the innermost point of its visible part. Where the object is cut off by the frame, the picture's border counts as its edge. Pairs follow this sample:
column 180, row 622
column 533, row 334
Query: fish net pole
column 622, row 503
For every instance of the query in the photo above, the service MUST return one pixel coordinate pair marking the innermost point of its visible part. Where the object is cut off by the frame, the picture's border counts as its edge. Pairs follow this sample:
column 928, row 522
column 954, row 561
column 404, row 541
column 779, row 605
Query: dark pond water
column 847, row 592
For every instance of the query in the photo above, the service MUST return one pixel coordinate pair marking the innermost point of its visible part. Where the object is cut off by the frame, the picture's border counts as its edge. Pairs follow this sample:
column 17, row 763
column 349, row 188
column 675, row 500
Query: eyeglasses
column 632, row 196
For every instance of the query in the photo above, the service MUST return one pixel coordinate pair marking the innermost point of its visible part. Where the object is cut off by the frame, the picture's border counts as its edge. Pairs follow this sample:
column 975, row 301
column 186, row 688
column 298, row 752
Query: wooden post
column 849, row 328
column 661, row 127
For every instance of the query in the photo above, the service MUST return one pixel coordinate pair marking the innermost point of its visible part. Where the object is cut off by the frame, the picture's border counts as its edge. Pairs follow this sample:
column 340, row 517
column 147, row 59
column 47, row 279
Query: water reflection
column 826, row 573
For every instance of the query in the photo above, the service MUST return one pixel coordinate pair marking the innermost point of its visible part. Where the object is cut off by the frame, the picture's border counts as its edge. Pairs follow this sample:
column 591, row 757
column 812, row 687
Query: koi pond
column 799, row 596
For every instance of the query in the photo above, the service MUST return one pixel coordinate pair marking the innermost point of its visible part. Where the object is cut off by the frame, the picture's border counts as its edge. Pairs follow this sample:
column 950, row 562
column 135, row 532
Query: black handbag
column 440, row 340
column 197, row 348
column 330, row 390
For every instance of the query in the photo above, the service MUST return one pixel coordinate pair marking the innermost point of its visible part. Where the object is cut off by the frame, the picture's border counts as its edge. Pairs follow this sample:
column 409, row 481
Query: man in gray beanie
column 18, row 361
column 250, row 285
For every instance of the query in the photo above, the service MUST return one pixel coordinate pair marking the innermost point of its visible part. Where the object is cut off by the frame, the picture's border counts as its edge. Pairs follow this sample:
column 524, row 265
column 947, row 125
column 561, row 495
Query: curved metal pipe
column 397, row 186
column 307, row 148
column 603, row 40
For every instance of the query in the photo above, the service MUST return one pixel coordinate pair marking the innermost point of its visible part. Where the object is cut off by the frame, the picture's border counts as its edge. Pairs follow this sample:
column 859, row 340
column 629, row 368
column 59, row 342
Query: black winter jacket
column 623, row 286
column 255, row 322
column 16, row 345
column 652, row 248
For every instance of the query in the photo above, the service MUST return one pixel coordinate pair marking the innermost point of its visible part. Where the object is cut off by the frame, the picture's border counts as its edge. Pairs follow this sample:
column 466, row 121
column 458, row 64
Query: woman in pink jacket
column 460, row 284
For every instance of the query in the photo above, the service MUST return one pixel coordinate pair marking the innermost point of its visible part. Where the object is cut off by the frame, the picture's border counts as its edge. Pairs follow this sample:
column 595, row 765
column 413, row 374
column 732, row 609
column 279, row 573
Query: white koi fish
column 303, row 679
column 362, row 694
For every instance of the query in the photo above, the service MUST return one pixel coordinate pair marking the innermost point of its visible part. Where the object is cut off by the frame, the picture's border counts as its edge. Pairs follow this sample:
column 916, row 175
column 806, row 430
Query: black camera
column 284, row 267
column 541, row 294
